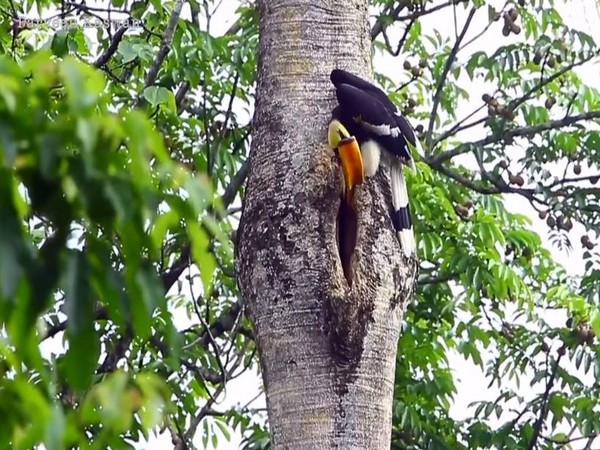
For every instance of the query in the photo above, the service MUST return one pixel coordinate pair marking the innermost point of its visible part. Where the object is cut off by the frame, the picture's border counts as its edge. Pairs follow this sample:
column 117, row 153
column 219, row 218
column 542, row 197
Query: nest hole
column 347, row 231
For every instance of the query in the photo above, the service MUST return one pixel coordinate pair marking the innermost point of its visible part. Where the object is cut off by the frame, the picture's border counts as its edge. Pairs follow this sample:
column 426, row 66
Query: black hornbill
column 365, row 112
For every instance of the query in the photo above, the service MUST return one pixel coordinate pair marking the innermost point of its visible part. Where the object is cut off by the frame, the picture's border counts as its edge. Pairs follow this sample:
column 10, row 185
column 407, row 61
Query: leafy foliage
column 123, row 152
column 116, row 286
column 490, row 292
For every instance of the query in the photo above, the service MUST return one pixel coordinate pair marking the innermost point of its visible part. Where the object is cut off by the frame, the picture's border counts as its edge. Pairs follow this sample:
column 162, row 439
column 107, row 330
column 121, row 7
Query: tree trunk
column 327, row 350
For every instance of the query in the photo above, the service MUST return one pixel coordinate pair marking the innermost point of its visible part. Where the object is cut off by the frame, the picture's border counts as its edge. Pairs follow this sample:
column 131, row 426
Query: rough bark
column 327, row 351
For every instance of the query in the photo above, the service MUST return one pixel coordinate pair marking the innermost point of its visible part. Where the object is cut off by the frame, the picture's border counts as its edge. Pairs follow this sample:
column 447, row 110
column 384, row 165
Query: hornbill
column 365, row 112
column 348, row 151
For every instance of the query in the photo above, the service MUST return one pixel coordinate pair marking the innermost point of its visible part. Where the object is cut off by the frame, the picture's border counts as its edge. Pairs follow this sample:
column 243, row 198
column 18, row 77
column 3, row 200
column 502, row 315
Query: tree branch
column 564, row 442
column 468, row 182
column 172, row 275
column 235, row 184
column 400, row 43
column 112, row 48
column 224, row 324
column 517, row 132
column 200, row 372
column 163, row 50
column 435, row 279
column 380, row 22
column 180, row 95
column 169, row 278
column 195, row 421
column 573, row 180
column 101, row 314
column 537, row 427
column 515, row 104
column 236, row 79
column 486, row 28
column 424, row 12
column 440, row 87
column 461, row 126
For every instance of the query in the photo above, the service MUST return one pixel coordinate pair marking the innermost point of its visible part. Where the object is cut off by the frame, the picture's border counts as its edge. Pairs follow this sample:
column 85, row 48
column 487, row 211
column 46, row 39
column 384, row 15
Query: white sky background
column 471, row 384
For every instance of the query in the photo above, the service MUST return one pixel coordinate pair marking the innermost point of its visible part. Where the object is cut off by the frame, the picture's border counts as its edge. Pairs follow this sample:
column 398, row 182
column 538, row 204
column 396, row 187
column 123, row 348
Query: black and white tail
column 401, row 215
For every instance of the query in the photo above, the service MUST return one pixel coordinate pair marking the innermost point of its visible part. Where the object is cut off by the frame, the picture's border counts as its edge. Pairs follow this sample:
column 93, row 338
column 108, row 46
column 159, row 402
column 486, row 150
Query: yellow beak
column 352, row 166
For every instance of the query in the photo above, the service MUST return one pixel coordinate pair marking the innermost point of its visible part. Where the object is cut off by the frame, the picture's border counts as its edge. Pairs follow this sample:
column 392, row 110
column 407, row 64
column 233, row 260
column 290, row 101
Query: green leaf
column 134, row 48
column 128, row 51
column 150, row 297
column 110, row 397
column 80, row 306
column 595, row 323
column 10, row 240
column 205, row 259
column 84, row 85
column 157, row 95
column 154, row 394
column 59, row 43
column 137, row 9
column 55, row 430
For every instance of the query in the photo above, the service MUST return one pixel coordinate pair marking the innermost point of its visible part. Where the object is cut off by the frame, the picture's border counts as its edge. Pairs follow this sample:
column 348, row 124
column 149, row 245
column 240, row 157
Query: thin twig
column 236, row 79
column 195, row 421
column 537, row 427
column 402, row 39
column 211, row 339
column 209, row 159
column 460, row 126
column 573, row 180
column 380, row 23
column 486, row 28
column 425, row 12
column 435, row 279
column 516, row 103
column 440, row 87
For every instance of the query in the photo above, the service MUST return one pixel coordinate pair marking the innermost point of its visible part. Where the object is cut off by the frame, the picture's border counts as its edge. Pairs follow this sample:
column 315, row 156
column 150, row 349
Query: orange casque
column 352, row 165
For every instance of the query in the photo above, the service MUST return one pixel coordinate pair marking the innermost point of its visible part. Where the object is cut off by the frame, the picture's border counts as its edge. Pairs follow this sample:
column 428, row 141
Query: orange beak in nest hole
column 348, row 151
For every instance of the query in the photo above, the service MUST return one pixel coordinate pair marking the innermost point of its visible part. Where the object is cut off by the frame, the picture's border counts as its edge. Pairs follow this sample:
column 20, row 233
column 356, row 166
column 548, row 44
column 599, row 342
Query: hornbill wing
column 340, row 77
column 375, row 120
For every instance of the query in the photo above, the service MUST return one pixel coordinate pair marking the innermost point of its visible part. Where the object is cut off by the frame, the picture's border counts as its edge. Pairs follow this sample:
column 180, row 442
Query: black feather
column 363, row 106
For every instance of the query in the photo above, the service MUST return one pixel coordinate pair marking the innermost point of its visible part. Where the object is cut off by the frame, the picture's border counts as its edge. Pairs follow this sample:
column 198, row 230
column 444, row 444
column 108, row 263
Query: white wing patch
column 383, row 130
column 371, row 155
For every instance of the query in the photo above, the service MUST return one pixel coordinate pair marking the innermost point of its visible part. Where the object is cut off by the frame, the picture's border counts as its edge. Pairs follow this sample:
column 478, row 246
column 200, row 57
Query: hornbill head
column 348, row 150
